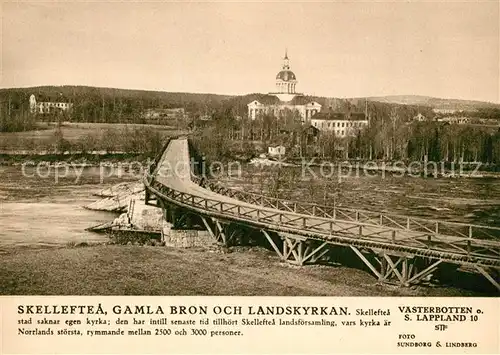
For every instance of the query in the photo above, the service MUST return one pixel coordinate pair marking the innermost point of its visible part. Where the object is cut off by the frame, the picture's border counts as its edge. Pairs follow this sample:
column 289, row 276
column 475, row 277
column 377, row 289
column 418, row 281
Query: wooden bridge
column 395, row 248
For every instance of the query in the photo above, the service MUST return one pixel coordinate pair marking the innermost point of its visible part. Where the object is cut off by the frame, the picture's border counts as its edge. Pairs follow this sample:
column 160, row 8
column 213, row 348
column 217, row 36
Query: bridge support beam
column 216, row 229
column 298, row 250
column 490, row 278
column 406, row 270
column 367, row 262
column 164, row 209
column 225, row 233
column 402, row 269
column 209, row 227
column 314, row 253
column 219, row 232
column 273, row 244
column 150, row 199
column 293, row 250
column 183, row 220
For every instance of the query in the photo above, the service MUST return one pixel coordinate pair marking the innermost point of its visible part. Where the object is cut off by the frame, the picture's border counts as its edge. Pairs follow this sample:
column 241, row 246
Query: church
column 284, row 98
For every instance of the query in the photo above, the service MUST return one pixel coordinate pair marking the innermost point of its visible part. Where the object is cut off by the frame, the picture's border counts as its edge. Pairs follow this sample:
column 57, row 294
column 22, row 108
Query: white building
column 456, row 120
column 445, row 110
column 284, row 98
column 277, row 150
column 50, row 106
column 340, row 124
column 419, row 118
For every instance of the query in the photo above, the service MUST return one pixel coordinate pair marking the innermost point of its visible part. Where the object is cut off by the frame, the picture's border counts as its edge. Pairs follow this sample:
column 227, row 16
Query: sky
column 337, row 49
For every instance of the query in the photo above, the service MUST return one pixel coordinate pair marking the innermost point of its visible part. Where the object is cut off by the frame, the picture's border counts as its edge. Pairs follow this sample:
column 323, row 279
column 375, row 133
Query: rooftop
column 51, row 98
column 331, row 116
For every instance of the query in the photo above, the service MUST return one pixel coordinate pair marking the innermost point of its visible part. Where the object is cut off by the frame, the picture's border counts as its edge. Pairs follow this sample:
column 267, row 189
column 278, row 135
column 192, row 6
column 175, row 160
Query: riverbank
column 147, row 270
column 75, row 159
column 85, row 142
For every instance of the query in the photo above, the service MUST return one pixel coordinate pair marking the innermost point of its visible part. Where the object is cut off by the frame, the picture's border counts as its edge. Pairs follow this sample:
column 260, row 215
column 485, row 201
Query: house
column 445, row 111
column 310, row 131
column 455, row 120
column 49, row 104
column 419, row 118
column 310, row 134
column 277, row 150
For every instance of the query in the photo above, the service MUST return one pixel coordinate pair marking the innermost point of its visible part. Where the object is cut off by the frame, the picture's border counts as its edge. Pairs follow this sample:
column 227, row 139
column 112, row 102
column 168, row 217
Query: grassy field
column 94, row 135
column 146, row 270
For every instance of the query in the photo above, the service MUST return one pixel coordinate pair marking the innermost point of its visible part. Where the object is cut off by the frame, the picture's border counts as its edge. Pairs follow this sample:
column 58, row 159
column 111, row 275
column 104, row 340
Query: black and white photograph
column 250, row 148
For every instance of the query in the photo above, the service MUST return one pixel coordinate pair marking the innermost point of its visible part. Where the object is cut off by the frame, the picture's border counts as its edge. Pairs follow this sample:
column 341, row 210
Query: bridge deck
column 172, row 179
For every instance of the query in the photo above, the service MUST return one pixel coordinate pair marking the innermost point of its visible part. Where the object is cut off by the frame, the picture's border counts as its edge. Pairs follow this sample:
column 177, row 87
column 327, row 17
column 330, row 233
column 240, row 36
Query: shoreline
column 96, row 158
column 77, row 159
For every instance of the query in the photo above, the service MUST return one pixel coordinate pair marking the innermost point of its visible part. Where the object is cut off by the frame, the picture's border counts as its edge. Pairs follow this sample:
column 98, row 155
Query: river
column 37, row 211
column 468, row 200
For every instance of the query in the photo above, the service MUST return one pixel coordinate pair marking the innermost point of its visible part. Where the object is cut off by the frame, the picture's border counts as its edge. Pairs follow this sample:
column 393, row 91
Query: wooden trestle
column 404, row 269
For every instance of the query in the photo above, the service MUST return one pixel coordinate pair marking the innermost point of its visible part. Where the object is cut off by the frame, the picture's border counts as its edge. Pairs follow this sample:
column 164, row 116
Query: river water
column 36, row 211
column 469, row 200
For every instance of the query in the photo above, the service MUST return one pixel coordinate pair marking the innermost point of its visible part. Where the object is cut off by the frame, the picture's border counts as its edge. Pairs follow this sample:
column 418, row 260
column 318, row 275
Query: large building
column 340, row 124
column 284, row 98
column 48, row 106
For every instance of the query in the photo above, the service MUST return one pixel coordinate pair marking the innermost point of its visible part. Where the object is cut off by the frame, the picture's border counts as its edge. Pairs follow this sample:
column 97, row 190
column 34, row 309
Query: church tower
column 286, row 81
column 284, row 98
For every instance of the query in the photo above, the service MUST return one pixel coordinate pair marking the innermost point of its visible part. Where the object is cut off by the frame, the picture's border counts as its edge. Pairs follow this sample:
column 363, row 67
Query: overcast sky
column 347, row 49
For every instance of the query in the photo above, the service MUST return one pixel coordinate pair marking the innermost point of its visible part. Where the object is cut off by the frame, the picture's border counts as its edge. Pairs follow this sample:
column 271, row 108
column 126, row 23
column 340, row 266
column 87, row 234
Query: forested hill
column 128, row 100
column 122, row 105
column 434, row 102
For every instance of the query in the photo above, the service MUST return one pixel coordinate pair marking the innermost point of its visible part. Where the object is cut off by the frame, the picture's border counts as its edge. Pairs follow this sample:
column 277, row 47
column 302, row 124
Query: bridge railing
column 415, row 224
column 349, row 231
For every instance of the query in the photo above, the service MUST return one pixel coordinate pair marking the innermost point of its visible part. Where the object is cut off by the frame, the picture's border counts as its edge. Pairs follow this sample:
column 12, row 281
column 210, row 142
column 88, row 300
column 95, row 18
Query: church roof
column 301, row 100
column 272, row 99
column 268, row 99
column 330, row 116
column 286, row 75
column 51, row 98
column 358, row 116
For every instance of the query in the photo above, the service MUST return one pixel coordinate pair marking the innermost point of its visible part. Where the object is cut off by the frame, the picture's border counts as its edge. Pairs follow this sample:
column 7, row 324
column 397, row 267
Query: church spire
column 286, row 64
